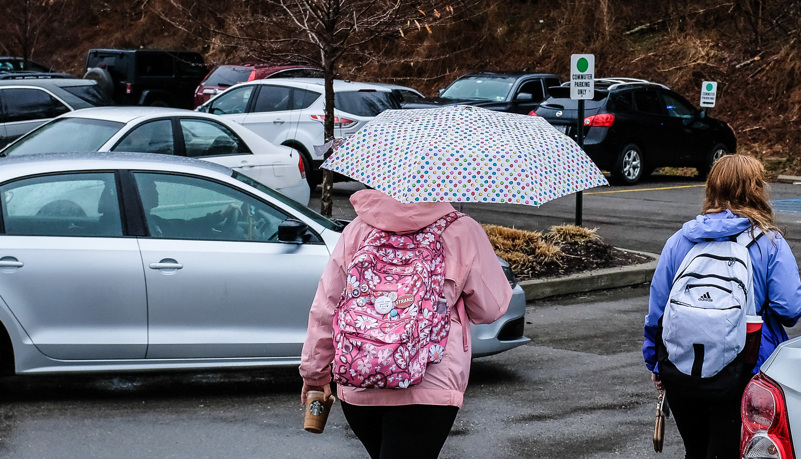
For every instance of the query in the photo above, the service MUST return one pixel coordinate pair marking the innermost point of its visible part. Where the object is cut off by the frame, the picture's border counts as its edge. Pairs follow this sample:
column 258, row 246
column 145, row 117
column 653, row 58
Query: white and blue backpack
column 704, row 323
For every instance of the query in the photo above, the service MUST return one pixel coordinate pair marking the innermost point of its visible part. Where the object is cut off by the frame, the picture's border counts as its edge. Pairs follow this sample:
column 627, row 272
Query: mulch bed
column 581, row 257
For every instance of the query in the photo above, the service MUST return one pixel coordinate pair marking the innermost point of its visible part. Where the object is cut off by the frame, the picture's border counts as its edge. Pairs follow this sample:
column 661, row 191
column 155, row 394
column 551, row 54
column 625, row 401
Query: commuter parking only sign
column 709, row 92
column 582, row 76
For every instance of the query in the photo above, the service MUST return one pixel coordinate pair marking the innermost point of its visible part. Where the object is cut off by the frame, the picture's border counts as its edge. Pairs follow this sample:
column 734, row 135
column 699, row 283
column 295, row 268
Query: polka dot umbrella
column 462, row 153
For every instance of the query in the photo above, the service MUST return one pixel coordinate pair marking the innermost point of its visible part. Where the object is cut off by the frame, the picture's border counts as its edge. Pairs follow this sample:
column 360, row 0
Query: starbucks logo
column 316, row 408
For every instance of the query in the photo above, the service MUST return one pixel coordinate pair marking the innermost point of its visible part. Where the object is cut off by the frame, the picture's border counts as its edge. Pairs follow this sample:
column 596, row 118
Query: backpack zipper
column 687, row 305
column 689, row 286
column 727, row 279
column 729, row 260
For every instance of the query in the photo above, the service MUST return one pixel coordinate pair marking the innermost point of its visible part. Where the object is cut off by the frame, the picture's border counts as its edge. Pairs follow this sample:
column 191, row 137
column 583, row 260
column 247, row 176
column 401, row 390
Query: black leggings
column 710, row 429
column 397, row 432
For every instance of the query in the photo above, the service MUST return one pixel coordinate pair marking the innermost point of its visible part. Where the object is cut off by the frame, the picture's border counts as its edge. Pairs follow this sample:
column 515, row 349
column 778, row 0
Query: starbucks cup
column 317, row 409
column 753, row 339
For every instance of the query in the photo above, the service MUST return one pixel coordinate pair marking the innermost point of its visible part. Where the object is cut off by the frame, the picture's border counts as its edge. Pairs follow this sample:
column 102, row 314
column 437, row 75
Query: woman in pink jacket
column 415, row 421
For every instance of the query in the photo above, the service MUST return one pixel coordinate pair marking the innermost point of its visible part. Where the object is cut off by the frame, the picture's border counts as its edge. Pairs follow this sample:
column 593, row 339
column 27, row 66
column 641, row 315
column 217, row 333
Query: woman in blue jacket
column 736, row 200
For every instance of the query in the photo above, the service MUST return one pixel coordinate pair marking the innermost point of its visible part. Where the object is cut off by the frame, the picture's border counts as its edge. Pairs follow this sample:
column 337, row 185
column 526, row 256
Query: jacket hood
column 385, row 213
column 714, row 226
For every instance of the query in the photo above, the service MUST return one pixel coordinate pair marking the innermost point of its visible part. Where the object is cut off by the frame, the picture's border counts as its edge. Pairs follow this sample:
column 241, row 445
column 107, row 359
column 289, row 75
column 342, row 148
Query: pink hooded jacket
column 472, row 273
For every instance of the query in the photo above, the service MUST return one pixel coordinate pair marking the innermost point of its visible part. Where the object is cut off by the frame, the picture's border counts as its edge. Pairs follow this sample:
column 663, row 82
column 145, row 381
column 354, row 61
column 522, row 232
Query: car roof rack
column 34, row 75
column 615, row 82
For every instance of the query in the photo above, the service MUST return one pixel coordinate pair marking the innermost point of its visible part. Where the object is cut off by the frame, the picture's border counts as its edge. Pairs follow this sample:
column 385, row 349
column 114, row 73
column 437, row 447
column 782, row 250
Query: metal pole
column 580, row 141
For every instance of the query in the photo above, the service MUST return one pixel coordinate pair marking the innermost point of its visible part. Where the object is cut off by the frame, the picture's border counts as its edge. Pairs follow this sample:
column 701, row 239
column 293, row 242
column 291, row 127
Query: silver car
column 170, row 131
column 771, row 406
column 112, row 262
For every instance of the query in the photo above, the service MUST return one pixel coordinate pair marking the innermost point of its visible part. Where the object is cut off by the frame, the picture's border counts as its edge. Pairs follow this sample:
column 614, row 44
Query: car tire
column 717, row 152
column 104, row 81
column 630, row 166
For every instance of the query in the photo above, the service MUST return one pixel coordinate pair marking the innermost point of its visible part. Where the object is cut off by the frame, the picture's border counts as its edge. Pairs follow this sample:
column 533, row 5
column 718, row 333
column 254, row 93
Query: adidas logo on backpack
column 392, row 319
column 703, row 333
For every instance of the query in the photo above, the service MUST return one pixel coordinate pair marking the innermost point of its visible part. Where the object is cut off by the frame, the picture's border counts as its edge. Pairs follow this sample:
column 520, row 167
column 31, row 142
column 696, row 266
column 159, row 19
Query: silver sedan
column 170, row 131
column 112, row 262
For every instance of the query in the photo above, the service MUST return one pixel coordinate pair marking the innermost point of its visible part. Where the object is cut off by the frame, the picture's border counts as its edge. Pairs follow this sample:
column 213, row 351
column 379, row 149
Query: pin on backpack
column 704, row 323
column 392, row 319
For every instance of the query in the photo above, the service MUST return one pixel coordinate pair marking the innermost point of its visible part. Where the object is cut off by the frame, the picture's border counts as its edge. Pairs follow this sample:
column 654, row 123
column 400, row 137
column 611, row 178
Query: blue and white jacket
column 775, row 276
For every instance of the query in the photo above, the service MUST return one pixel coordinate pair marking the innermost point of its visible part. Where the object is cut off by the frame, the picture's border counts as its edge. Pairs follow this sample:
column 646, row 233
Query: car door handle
column 279, row 121
column 10, row 262
column 246, row 164
column 166, row 264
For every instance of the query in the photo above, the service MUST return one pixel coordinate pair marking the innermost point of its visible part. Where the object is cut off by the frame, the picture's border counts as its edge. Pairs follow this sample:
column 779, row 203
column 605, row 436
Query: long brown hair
column 736, row 182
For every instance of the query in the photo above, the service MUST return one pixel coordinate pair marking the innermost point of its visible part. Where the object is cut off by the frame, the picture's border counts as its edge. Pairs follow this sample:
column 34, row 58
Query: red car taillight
column 338, row 122
column 129, row 88
column 300, row 167
column 252, row 75
column 532, row 113
column 600, row 120
column 765, row 432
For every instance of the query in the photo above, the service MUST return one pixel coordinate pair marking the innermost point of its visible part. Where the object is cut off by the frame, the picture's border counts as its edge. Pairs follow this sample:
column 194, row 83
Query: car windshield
column 89, row 93
column 480, row 88
column 323, row 221
column 60, row 135
column 365, row 103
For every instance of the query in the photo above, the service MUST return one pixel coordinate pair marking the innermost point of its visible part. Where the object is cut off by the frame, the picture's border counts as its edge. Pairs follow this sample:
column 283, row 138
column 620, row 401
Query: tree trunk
column 326, row 200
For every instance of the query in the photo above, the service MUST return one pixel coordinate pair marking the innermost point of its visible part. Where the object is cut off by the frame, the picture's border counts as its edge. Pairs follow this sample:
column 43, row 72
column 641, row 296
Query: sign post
column 709, row 93
column 582, row 87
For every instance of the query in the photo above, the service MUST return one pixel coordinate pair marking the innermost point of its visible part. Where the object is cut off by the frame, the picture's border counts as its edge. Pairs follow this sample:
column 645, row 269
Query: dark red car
column 222, row 77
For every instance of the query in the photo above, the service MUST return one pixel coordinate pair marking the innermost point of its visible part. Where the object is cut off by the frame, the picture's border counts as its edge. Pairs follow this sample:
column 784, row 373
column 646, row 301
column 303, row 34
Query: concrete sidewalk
column 592, row 280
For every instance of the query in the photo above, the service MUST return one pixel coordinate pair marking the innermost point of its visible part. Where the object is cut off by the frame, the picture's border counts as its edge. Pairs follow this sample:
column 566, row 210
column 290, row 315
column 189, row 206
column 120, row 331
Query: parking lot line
column 645, row 189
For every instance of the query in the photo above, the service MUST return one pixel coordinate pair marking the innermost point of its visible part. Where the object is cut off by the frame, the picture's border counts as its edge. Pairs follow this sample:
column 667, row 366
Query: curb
column 788, row 179
column 599, row 279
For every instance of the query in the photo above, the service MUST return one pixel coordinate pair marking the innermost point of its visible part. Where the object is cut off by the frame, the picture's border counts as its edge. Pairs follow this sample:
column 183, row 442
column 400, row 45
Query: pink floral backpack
column 392, row 319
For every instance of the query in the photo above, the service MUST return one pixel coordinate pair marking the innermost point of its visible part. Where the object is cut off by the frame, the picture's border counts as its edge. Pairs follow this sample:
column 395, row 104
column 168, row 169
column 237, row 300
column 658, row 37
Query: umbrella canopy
column 465, row 154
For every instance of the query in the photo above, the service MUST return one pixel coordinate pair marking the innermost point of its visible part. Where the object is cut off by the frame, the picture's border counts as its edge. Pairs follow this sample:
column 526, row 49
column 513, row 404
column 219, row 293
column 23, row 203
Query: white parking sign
column 582, row 76
column 709, row 92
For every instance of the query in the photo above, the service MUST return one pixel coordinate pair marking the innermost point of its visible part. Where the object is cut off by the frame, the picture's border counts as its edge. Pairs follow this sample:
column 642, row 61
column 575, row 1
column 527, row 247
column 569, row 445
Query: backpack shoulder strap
column 748, row 237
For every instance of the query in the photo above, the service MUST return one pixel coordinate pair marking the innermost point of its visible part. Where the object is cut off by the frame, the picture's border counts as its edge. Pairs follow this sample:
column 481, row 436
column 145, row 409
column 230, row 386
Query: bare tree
column 319, row 32
column 25, row 21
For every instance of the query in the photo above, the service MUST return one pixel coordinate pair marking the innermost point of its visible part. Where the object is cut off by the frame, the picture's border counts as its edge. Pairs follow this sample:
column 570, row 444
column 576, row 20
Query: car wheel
column 103, row 79
column 630, row 166
column 714, row 155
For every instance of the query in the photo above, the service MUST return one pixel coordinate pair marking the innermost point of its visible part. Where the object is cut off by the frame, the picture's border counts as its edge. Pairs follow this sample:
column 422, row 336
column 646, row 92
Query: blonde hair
column 736, row 182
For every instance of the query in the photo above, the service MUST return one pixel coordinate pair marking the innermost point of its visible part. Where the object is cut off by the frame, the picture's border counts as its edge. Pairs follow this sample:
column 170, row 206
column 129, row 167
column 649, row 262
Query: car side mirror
column 440, row 91
column 292, row 231
column 702, row 115
column 524, row 96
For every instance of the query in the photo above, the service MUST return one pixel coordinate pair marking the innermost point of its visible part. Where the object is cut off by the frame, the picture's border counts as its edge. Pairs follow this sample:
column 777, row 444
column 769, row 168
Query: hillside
column 750, row 47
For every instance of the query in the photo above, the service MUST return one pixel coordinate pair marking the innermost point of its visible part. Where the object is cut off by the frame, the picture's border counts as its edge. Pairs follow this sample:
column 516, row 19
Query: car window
column 209, row 138
column 622, row 102
column 298, row 73
column 154, row 65
column 90, row 93
column 365, row 103
column 647, row 102
column 59, row 135
column 227, row 75
column 232, row 101
column 184, row 207
column 190, row 66
column 480, row 88
column 62, row 205
column 151, row 137
column 302, row 98
column 272, row 99
column 24, row 104
column 677, row 108
column 534, row 88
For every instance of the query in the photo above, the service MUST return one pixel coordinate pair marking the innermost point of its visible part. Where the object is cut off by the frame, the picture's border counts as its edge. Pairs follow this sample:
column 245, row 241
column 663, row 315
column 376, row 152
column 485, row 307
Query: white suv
column 290, row 111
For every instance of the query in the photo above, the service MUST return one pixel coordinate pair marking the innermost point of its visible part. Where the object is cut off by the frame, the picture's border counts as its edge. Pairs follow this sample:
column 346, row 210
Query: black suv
column 514, row 92
column 147, row 76
column 634, row 126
